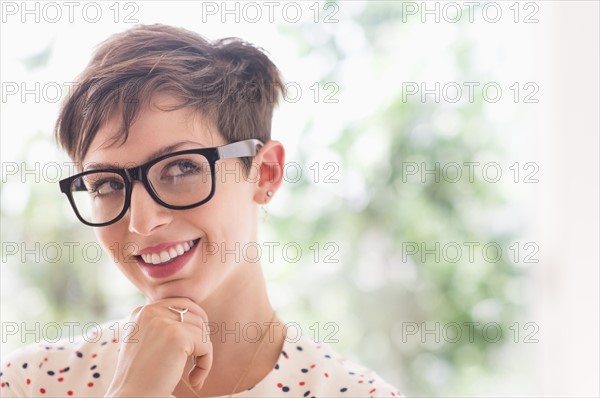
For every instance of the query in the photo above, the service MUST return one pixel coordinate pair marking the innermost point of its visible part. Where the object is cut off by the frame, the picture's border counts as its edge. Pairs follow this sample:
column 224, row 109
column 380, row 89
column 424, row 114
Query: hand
column 153, row 365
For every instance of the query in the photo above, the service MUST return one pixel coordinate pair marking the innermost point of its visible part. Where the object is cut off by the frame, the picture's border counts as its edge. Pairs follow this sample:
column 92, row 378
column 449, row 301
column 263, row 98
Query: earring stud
column 269, row 194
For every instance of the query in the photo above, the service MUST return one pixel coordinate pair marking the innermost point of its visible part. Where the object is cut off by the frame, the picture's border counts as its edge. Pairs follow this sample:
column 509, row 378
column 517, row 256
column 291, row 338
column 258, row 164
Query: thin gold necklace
column 260, row 343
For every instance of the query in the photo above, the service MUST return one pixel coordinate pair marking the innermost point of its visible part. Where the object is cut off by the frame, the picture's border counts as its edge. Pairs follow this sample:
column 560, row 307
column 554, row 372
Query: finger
column 201, row 367
column 189, row 319
column 136, row 311
column 182, row 303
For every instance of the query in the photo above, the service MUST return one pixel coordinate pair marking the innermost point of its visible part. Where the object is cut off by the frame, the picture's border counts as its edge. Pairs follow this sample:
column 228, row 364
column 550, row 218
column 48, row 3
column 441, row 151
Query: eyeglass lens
column 179, row 180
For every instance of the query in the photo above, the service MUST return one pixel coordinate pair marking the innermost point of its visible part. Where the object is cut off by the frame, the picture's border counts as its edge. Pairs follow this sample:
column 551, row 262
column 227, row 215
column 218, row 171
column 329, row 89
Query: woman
column 172, row 135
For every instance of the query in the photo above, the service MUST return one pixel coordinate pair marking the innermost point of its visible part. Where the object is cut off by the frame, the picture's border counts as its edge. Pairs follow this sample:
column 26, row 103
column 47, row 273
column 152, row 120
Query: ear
column 270, row 163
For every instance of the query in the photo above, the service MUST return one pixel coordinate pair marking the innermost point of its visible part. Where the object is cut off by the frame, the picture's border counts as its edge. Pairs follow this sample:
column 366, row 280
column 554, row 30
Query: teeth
column 164, row 256
column 169, row 254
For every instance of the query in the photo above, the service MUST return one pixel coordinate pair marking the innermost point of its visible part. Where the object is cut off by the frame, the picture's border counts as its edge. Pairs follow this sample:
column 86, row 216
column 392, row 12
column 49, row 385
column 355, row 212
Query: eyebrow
column 162, row 151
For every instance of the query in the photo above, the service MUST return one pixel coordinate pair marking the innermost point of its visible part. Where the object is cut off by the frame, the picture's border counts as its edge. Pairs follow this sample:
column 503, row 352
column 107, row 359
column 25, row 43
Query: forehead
column 154, row 128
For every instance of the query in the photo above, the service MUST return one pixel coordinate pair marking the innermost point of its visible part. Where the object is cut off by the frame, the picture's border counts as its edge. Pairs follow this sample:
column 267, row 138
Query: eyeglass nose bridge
column 139, row 173
column 135, row 174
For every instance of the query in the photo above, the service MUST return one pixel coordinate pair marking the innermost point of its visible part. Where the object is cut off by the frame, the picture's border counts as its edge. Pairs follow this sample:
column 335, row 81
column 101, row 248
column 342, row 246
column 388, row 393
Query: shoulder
column 308, row 368
column 70, row 366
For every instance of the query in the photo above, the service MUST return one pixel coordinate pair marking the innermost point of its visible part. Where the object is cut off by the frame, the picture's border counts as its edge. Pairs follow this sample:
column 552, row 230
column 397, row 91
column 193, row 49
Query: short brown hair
column 230, row 81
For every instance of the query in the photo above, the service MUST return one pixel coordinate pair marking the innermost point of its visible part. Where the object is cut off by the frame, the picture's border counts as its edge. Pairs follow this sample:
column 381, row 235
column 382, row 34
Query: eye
column 106, row 187
column 180, row 168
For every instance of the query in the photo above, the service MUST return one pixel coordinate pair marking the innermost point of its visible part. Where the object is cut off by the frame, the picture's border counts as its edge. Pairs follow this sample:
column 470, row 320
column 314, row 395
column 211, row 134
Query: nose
column 145, row 215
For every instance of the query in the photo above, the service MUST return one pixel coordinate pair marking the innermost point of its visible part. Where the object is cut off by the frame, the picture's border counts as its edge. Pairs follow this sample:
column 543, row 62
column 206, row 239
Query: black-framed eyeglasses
column 179, row 180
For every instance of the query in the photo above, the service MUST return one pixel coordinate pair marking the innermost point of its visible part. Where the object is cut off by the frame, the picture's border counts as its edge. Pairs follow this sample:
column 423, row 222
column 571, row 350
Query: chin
column 178, row 288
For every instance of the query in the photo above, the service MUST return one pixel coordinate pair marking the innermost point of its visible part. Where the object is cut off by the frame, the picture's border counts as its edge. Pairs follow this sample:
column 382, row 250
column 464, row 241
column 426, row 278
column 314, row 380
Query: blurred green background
column 355, row 211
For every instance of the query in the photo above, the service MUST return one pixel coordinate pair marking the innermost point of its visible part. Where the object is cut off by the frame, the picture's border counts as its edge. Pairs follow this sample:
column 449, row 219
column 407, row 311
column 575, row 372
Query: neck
column 241, row 300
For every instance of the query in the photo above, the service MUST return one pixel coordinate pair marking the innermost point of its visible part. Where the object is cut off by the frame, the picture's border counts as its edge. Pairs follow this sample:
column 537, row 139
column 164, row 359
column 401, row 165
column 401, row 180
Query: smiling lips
column 168, row 254
column 166, row 261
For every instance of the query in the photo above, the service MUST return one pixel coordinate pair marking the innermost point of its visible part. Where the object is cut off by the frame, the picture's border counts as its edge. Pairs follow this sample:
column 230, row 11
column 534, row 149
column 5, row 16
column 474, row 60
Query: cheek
column 105, row 237
column 231, row 209
column 111, row 239
column 119, row 250
column 226, row 220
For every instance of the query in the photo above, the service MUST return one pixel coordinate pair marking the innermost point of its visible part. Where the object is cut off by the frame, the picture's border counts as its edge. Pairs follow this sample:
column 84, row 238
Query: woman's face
column 216, row 231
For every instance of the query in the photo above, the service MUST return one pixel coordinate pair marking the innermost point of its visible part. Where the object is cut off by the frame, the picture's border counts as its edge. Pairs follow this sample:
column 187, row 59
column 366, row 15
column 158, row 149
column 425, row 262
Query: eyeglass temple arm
column 239, row 149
